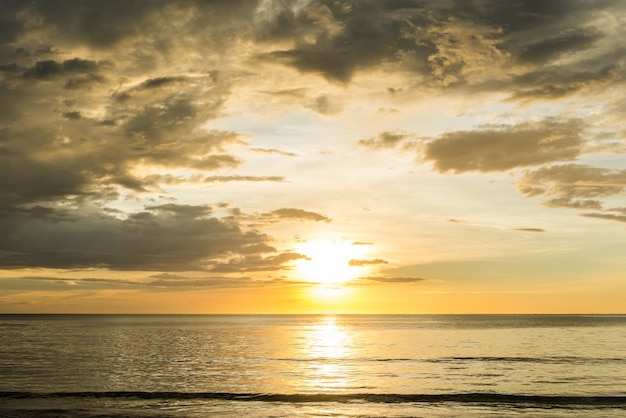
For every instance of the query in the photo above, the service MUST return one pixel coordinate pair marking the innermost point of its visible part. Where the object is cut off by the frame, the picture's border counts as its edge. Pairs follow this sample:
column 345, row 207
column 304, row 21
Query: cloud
column 296, row 214
column 383, row 279
column 101, row 99
column 554, row 82
column 325, row 106
column 162, row 237
column 569, row 203
column 157, row 282
column 44, row 70
column 608, row 216
column 385, row 140
column 273, row 151
column 178, row 281
column 519, row 47
column 252, row 263
column 78, row 157
column 105, row 104
column 188, row 211
column 43, row 283
column 321, row 33
column 489, row 148
column 336, row 40
column 226, row 179
column 83, row 82
column 566, row 42
column 159, row 82
column 466, row 51
column 89, row 24
column 574, row 186
column 72, row 115
column 279, row 215
column 358, row 263
column 455, row 45
column 320, row 103
column 530, row 229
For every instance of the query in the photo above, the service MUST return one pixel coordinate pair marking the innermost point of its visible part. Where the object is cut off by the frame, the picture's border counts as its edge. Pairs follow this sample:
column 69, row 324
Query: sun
column 328, row 261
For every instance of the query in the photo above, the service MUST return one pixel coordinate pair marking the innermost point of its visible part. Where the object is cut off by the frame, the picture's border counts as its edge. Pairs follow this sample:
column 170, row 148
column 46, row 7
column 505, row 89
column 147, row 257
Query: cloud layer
column 108, row 106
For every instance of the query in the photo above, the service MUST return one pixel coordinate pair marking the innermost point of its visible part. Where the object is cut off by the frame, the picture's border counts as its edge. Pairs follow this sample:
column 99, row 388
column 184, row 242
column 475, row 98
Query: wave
column 570, row 360
column 545, row 360
column 566, row 360
column 475, row 398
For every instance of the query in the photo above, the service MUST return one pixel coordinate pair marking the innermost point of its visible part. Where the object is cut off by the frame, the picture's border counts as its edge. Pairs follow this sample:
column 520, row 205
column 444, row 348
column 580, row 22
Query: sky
column 312, row 156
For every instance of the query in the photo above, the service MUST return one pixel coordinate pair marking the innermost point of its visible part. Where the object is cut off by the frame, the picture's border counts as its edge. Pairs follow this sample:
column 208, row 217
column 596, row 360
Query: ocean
column 312, row 365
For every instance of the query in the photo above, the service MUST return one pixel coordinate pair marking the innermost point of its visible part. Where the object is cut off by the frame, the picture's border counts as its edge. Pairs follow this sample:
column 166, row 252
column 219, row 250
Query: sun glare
column 329, row 291
column 328, row 261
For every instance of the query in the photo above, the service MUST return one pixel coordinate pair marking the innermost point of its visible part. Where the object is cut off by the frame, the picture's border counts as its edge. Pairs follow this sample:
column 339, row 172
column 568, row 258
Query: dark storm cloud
column 24, row 179
column 160, row 82
column 452, row 43
column 152, row 87
column 555, row 82
column 89, row 167
column 150, row 30
column 488, row 45
column 335, row 39
column 568, row 42
column 51, row 159
column 95, row 23
column 49, row 69
column 10, row 69
column 164, row 237
column 83, row 82
column 72, row 115
column 12, row 23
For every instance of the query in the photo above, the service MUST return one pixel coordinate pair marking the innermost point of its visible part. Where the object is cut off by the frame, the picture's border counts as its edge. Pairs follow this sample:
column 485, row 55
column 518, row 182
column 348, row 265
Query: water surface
column 312, row 365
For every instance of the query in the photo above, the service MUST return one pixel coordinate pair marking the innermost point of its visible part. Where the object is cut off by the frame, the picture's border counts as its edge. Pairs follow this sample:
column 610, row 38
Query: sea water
column 312, row 365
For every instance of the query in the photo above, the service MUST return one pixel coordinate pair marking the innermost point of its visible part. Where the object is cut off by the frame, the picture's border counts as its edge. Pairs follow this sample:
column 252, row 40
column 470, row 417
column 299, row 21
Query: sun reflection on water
column 327, row 346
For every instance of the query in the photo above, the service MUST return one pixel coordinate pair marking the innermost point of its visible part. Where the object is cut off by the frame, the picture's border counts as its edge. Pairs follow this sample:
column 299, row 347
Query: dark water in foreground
column 308, row 365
